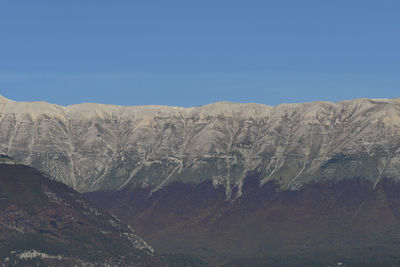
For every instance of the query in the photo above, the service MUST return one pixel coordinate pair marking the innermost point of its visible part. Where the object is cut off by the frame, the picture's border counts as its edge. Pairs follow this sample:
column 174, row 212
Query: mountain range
column 103, row 147
column 309, row 184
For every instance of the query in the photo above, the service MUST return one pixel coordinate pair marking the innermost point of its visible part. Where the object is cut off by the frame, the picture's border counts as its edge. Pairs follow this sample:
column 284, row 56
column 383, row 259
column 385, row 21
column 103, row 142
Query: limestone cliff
column 94, row 146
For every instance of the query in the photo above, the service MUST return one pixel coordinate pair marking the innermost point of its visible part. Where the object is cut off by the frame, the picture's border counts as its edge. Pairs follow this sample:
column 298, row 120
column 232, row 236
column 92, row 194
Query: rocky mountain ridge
column 44, row 222
column 104, row 147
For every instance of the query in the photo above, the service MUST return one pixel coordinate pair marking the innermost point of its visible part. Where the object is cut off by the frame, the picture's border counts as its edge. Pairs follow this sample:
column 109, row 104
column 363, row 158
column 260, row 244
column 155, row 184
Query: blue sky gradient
column 189, row 53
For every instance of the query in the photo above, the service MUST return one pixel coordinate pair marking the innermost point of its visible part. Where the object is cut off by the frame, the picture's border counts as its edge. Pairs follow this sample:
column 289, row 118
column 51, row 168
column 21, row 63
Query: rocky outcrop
column 94, row 146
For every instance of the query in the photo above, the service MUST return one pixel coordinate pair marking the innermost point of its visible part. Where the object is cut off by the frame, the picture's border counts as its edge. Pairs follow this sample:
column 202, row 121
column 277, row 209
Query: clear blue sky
column 190, row 53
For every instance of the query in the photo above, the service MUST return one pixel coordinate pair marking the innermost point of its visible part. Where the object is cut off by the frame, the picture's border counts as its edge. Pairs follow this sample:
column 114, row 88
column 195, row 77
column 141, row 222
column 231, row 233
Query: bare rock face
column 94, row 146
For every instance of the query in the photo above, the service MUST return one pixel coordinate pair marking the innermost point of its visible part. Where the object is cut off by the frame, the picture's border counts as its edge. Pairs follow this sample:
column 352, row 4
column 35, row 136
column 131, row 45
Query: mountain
column 46, row 223
column 311, row 184
column 103, row 147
